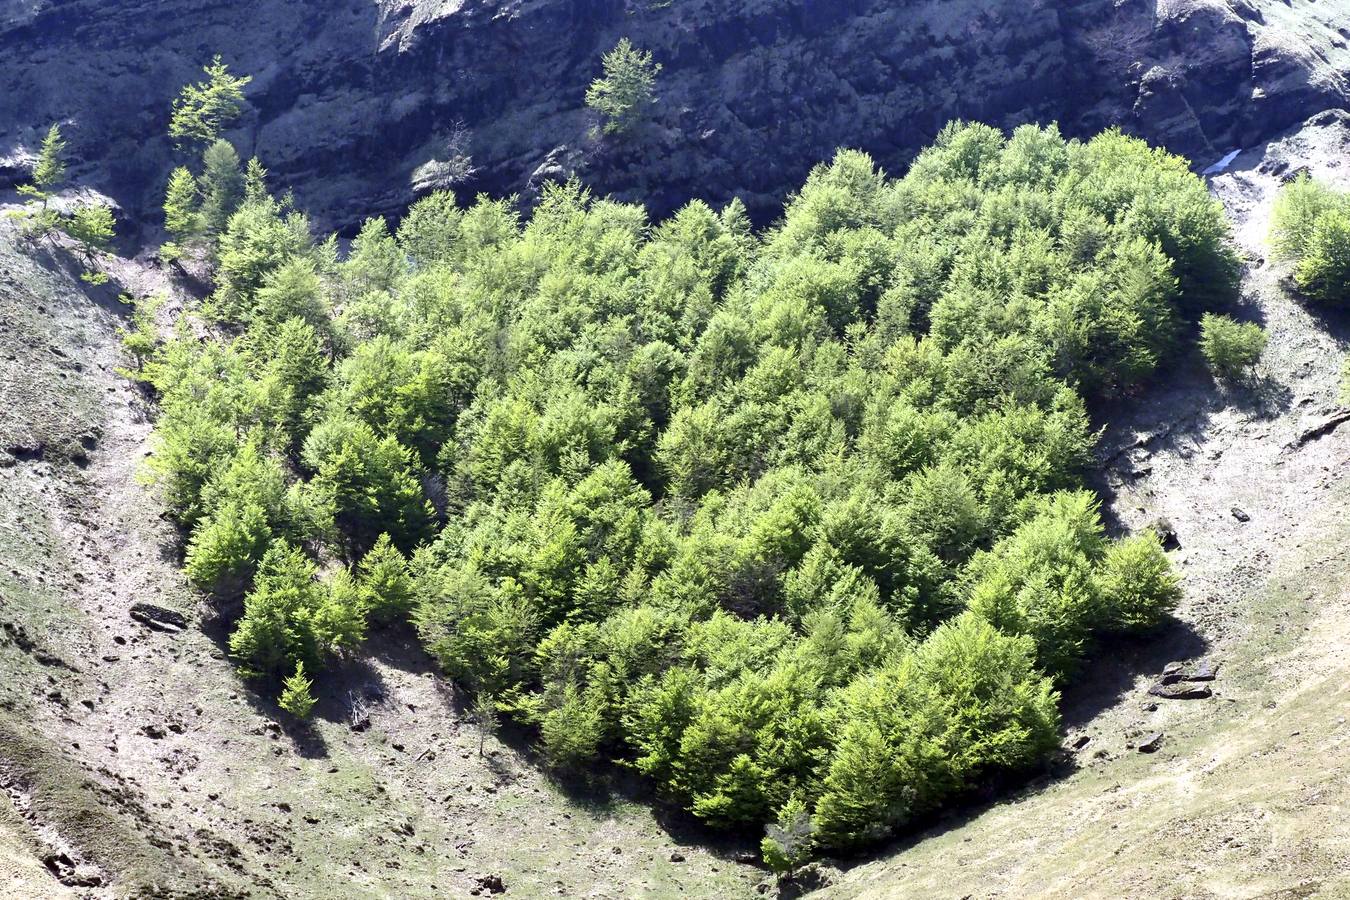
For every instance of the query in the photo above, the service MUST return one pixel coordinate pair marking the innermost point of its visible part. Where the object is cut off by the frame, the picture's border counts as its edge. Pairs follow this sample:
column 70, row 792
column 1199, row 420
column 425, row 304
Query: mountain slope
column 352, row 96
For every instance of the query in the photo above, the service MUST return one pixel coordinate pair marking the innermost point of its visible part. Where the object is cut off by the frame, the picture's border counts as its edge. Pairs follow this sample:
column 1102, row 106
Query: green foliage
column 142, row 338
column 788, row 843
column 227, row 546
column 92, row 228
column 1299, row 206
column 222, row 186
column 623, row 96
column 1137, row 584
column 1230, row 348
column 1311, row 225
column 386, row 582
column 1323, row 272
column 50, row 170
column 204, row 109
column 791, row 523
column 277, row 629
column 49, row 173
column 182, row 205
column 296, row 693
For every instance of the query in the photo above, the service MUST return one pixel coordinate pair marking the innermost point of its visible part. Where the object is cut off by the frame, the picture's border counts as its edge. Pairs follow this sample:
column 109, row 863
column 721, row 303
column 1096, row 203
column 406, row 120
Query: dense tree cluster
column 792, row 523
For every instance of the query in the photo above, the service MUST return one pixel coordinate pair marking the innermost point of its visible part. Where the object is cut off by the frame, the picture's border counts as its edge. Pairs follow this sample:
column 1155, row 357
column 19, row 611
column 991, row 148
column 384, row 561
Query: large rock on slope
column 352, row 96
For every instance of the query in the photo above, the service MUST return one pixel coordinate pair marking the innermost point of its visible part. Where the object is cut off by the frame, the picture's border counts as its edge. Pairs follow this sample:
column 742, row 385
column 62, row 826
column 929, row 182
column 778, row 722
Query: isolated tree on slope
column 203, row 110
column 48, row 174
column 50, row 171
column 624, row 95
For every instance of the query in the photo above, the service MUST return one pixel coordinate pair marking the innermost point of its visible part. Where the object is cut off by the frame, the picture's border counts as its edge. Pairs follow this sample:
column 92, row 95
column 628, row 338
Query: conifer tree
column 386, row 585
column 222, row 186
column 203, row 110
column 297, row 697
column 182, row 205
column 50, row 171
column 624, row 94
column 255, row 181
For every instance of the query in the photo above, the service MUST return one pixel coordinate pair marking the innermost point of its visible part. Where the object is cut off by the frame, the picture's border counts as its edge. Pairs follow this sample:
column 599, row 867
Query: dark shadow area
column 597, row 790
column 308, row 743
column 1116, row 662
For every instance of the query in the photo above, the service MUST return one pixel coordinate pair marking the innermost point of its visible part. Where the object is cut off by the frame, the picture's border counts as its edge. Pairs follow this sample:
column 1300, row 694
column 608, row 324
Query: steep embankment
column 139, row 764
column 353, row 96
column 1246, row 793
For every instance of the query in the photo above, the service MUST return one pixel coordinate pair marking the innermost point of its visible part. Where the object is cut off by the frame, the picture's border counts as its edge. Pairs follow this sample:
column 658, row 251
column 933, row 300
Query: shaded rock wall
column 351, row 96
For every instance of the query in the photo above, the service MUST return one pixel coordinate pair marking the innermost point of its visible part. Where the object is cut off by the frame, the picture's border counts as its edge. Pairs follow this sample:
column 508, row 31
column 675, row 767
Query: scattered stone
column 1172, row 672
column 1083, row 741
column 1308, row 435
column 1151, row 743
column 158, row 618
column 1240, row 515
column 1167, row 535
column 677, row 856
column 1181, row 691
column 154, row 732
column 1205, row 671
column 491, row 883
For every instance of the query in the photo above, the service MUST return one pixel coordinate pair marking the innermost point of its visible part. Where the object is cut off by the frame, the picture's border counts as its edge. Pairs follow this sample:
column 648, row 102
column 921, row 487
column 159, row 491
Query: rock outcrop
column 352, row 97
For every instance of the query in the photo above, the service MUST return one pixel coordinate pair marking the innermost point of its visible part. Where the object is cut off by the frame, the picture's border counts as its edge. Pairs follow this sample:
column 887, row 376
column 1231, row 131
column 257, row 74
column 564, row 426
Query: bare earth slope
column 136, row 762
column 1247, row 794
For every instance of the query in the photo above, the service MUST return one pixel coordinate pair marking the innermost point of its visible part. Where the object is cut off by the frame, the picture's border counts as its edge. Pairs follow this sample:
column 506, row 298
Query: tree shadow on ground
column 599, row 789
column 1116, row 663
column 307, row 742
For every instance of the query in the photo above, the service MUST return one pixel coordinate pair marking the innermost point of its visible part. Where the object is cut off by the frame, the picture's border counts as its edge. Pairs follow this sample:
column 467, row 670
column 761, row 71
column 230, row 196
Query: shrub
column 1311, row 225
column 1137, row 584
column 1323, row 272
column 1298, row 208
column 1230, row 348
column 788, row 843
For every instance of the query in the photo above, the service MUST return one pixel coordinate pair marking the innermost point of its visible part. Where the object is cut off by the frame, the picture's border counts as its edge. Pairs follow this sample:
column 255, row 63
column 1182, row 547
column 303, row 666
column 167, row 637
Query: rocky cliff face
column 351, row 97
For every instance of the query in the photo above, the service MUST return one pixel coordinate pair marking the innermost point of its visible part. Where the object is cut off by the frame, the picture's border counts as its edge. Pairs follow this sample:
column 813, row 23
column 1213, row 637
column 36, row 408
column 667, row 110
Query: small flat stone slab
column 1151, row 743
column 1181, row 691
column 158, row 618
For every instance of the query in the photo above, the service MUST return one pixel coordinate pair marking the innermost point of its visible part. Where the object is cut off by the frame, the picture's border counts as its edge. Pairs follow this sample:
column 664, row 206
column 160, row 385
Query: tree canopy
column 791, row 522
column 204, row 109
